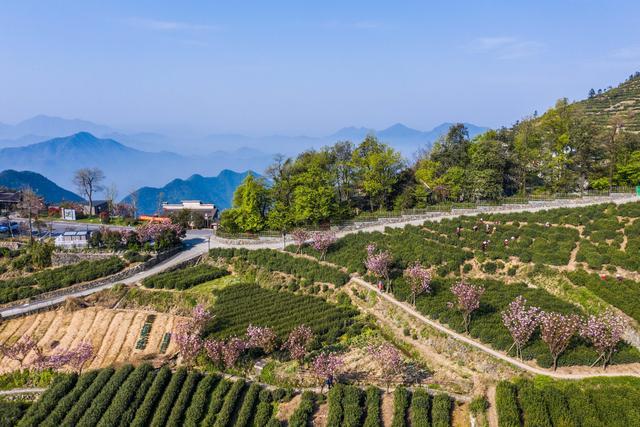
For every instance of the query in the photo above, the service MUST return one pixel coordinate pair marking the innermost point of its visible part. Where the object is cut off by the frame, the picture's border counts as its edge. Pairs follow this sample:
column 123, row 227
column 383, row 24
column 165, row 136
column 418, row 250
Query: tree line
column 562, row 151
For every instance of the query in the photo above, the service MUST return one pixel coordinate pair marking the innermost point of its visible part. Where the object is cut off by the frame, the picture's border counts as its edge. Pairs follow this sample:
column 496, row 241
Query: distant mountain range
column 217, row 190
column 41, row 128
column 43, row 187
column 126, row 167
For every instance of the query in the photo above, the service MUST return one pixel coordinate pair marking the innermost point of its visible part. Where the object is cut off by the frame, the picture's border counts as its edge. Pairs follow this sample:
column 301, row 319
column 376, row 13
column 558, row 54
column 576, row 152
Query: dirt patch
column 285, row 410
column 320, row 417
column 460, row 416
column 113, row 333
column 386, row 408
column 492, row 413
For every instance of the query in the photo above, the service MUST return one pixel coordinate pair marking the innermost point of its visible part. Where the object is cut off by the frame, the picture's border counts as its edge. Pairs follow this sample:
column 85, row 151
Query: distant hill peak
column 43, row 187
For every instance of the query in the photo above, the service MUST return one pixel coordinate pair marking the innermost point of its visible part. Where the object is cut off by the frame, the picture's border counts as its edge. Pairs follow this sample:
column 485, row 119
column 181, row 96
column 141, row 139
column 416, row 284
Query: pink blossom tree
column 232, row 350
column 300, row 237
column 521, row 321
column 261, row 337
column 604, row 332
column 200, row 317
column 79, row 355
column 326, row 366
column 322, row 241
column 188, row 341
column 299, row 339
column 19, row 349
column 419, row 279
column 390, row 361
column 378, row 263
column 467, row 300
column 214, row 349
column 556, row 330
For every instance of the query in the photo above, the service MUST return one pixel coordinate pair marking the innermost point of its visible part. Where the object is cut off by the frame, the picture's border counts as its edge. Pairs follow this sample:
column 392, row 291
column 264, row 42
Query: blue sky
column 303, row 68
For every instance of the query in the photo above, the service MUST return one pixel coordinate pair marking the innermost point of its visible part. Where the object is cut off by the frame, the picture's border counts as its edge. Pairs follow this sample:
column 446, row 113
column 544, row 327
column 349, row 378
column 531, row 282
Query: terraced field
column 113, row 333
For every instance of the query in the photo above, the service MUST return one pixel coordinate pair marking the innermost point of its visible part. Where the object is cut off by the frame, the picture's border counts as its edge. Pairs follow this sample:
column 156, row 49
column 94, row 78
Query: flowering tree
column 214, row 348
column 300, row 237
column 521, row 321
column 188, row 341
column 467, row 300
column 297, row 342
column 322, row 240
column 232, row 350
column 605, row 332
column 390, row 360
column 419, row 279
column 261, row 337
column 557, row 330
column 200, row 317
column 19, row 349
column 378, row 263
column 325, row 366
column 162, row 234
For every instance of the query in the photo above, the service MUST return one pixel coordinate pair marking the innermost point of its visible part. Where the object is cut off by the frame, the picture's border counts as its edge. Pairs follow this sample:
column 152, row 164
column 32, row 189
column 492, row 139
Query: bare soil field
column 113, row 333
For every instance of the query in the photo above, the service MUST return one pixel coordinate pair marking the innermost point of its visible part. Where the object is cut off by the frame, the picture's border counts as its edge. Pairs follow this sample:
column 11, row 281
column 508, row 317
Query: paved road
column 22, row 391
column 199, row 241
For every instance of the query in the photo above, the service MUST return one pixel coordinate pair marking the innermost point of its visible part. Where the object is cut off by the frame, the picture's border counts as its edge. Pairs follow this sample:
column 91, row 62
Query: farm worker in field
column 513, row 238
column 547, row 224
column 458, row 230
column 329, row 381
column 380, row 285
column 475, row 228
column 506, row 243
column 484, row 245
column 619, row 277
column 486, row 228
column 603, row 276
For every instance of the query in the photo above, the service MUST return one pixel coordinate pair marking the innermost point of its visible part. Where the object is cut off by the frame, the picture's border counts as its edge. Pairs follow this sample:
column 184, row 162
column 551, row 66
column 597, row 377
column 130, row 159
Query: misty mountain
column 126, row 167
column 43, row 187
column 44, row 127
column 217, row 190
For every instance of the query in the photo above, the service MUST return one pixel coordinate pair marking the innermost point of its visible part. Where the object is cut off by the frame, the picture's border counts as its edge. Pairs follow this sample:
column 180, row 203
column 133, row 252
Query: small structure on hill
column 73, row 239
column 209, row 210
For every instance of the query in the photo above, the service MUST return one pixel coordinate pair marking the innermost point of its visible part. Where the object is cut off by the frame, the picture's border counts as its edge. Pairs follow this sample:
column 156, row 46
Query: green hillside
column 623, row 99
column 43, row 187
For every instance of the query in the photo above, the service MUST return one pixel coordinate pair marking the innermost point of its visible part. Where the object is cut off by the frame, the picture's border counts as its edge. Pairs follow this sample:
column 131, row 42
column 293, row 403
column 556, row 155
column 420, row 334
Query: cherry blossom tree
column 390, row 361
column 214, row 349
column 300, row 237
column 521, row 321
column 299, row 339
column 604, row 332
column 325, row 366
column 79, row 355
column 419, row 279
column 556, row 330
column 200, row 317
column 19, row 349
column 188, row 341
column 467, row 300
column 322, row 240
column 232, row 350
column 378, row 263
column 261, row 337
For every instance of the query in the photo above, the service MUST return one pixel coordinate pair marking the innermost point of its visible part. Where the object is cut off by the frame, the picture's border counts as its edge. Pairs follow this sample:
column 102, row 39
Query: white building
column 73, row 239
column 209, row 210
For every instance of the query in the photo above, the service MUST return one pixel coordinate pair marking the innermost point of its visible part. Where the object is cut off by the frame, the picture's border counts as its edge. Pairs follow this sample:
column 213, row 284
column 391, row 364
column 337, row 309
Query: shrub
column 65, row 404
column 372, row 402
column 168, row 397
column 39, row 410
column 400, row 405
column 334, row 417
column 145, row 412
column 81, row 405
column 184, row 278
column 441, row 411
column 420, row 408
column 216, row 401
column 248, row 404
column 101, row 402
column 534, row 409
column 122, row 399
column 479, row 405
column 180, row 405
column 230, row 402
column 352, row 407
column 196, row 410
column 301, row 417
column 507, row 405
column 126, row 419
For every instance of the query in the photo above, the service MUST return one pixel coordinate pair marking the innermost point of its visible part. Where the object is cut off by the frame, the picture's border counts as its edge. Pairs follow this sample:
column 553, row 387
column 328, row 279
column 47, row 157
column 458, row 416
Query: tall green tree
column 250, row 206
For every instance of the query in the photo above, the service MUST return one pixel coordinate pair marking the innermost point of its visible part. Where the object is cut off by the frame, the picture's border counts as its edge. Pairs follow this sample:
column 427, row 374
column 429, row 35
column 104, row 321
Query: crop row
column 598, row 402
column 143, row 396
column 278, row 261
column 57, row 278
column 239, row 305
column 184, row 278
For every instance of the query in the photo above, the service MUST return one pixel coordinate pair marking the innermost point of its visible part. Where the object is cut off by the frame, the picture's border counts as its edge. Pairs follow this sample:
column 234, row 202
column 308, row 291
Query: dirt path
column 386, row 409
column 578, row 372
column 492, row 412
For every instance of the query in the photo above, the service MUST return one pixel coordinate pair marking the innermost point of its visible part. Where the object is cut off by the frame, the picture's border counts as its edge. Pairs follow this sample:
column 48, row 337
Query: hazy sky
column 297, row 68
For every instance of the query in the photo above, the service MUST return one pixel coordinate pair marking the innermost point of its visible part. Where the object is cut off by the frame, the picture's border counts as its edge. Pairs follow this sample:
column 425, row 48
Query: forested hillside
column 571, row 148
